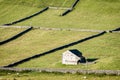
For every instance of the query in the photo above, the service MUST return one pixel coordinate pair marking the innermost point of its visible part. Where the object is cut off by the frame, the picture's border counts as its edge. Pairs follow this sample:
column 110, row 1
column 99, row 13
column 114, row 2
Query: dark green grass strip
column 26, row 18
column 16, row 36
column 55, row 49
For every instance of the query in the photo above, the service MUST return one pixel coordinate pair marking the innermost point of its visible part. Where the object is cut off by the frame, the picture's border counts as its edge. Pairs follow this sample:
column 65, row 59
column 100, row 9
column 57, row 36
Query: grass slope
column 87, row 15
column 35, row 42
column 95, row 14
column 39, row 3
column 10, row 13
column 104, row 48
column 11, row 10
column 6, row 33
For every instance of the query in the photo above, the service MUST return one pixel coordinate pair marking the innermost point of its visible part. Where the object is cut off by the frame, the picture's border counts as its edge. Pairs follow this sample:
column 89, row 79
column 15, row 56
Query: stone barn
column 72, row 57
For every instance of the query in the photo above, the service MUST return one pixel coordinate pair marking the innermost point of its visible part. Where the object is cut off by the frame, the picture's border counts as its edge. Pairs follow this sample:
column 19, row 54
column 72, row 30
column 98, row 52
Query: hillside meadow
column 88, row 14
column 36, row 42
column 6, row 33
column 103, row 50
column 102, row 53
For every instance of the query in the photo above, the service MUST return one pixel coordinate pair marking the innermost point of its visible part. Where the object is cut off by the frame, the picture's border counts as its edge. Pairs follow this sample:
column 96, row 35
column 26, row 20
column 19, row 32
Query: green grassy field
column 58, row 3
column 6, row 33
column 11, row 10
column 52, row 76
column 35, row 42
column 88, row 14
column 104, row 48
column 39, row 3
column 10, row 13
column 102, row 15
column 95, row 14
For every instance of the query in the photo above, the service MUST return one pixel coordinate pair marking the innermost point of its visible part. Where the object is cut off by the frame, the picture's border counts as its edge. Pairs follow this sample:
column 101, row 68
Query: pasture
column 95, row 14
column 102, row 52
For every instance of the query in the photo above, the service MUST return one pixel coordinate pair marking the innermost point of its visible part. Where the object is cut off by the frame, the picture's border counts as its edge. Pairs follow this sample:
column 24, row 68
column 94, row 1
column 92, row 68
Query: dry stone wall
column 26, row 18
column 15, row 36
column 72, row 71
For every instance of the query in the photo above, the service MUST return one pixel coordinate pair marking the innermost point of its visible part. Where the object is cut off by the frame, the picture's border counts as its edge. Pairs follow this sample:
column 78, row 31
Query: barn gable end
column 71, row 57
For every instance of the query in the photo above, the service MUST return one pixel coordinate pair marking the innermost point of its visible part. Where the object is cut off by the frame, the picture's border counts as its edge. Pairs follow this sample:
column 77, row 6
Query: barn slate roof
column 76, row 52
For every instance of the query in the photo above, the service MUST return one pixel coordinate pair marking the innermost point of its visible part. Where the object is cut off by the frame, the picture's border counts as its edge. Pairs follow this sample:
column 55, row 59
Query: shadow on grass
column 92, row 59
